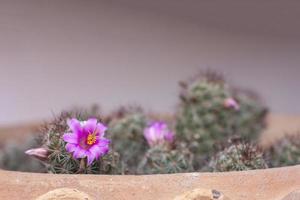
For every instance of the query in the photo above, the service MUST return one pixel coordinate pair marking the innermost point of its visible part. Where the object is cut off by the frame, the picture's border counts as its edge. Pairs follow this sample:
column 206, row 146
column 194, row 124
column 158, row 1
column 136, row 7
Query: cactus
column 126, row 129
column 250, row 120
column 12, row 157
column 238, row 157
column 62, row 161
column 210, row 112
column 284, row 152
column 161, row 160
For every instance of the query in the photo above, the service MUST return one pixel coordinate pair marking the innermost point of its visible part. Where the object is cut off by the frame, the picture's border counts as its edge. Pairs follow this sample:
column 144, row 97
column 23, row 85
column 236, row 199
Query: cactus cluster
column 126, row 131
column 210, row 112
column 12, row 157
column 284, row 152
column 238, row 157
column 61, row 161
column 164, row 156
column 162, row 160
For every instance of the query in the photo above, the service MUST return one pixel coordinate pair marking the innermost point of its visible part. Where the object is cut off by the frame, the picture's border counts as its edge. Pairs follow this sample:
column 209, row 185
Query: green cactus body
column 204, row 122
column 285, row 152
column 238, row 157
column 161, row 160
column 12, row 157
column 60, row 161
column 250, row 120
column 126, row 130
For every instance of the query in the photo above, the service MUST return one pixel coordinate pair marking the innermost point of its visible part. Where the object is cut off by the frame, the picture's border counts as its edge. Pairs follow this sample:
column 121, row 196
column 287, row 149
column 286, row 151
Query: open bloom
column 158, row 133
column 231, row 103
column 86, row 139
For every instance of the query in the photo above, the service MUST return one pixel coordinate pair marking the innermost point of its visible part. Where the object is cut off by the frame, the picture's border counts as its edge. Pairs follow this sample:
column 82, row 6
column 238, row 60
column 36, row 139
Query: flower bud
column 231, row 103
column 39, row 153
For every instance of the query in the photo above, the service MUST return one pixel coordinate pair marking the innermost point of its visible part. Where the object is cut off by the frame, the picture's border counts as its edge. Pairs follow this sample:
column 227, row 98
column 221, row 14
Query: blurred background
column 56, row 54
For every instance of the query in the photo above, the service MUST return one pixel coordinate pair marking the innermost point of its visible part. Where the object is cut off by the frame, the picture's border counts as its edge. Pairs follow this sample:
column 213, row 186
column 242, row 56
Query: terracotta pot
column 270, row 184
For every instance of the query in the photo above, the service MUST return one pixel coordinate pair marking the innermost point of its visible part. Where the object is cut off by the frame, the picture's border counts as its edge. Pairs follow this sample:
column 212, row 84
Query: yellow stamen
column 91, row 138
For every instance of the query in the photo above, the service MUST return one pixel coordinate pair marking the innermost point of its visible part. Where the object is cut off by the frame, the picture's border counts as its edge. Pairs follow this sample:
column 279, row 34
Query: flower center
column 91, row 138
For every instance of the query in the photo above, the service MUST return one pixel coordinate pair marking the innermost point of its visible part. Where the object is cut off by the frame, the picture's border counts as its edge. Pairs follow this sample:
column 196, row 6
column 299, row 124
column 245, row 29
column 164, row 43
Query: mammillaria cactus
column 238, row 157
column 161, row 157
column 210, row 112
column 285, row 152
column 159, row 160
column 77, row 146
column 126, row 130
column 251, row 118
column 12, row 157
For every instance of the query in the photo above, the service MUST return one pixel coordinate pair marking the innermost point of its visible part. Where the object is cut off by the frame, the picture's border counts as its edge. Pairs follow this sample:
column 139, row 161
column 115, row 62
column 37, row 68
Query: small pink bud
column 231, row 103
column 39, row 153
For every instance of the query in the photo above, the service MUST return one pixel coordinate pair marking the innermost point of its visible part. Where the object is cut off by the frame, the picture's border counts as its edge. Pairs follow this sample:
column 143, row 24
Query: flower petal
column 90, row 158
column 101, row 129
column 101, row 148
column 71, row 138
column 71, row 147
column 104, row 150
column 74, row 125
column 90, row 125
column 95, row 150
column 169, row 136
column 79, row 152
column 103, row 142
column 158, row 133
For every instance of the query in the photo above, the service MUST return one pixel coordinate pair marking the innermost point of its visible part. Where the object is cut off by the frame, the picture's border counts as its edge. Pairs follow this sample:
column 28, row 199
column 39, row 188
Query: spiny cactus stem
column 82, row 166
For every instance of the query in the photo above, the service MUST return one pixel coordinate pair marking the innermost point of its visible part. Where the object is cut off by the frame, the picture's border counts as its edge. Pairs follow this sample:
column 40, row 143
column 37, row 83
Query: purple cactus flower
column 86, row 139
column 231, row 103
column 158, row 133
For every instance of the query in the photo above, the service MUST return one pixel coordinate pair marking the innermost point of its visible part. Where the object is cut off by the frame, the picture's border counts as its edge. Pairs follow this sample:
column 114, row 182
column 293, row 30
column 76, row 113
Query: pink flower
column 158, row 133
column 231, row 103
column 39, row 153
column 86, row 139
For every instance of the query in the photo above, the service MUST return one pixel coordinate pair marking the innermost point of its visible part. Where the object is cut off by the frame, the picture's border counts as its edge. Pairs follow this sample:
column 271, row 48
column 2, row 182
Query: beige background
column 54, row 54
